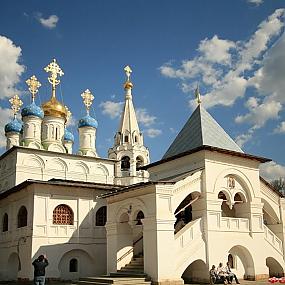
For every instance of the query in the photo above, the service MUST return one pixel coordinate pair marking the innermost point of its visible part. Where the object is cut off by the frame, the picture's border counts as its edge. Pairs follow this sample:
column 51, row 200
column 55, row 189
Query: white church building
column 165, row 222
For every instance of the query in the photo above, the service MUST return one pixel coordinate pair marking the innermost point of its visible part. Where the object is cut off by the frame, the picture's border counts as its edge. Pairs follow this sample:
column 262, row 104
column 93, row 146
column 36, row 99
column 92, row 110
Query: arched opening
column 136, row 139
column 139, row 218
column 270, row 218
column 78, row 263
column 139, row 162
column 5, row 223
column 126, row 138
column 125, row 163
column 22, row 217
column 101, row 216
column 274, row 267
column 13, row 266
column 184, row 212
column 231, row 261
column 244, row 261
column 73, row 265
column 62, row 215
column 196, row 272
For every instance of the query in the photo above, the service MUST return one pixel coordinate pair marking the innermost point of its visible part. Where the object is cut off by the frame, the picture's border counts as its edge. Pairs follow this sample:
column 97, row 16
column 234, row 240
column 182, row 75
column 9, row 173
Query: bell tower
column 128, row 142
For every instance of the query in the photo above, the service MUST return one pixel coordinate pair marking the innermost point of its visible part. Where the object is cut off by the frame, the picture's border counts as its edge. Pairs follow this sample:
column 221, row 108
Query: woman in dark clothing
column 39, row 270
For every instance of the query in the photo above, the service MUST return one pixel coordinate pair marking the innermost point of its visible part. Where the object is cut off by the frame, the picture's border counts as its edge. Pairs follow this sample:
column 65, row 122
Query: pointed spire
column 198, row 95
column 34, row 86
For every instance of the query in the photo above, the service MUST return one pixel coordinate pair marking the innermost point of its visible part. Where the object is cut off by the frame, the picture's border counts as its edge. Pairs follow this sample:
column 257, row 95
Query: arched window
column 231, row 261
column 136, row 139
column 62, row 215
column 101, row 216
column 73, row 265
column 22, row 217
column 125, row 163
column 139, row 162
column 139, row 218
column 222, row 195
column 126, row 138
column 5, row 223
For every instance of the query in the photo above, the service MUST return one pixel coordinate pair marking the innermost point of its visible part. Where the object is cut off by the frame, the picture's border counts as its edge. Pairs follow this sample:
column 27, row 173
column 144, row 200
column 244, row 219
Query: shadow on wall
column 73, row 252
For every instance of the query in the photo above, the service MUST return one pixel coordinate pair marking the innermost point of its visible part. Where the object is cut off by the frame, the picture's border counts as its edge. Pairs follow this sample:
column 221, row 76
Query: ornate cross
column 34, row 86
column 54, row 70
column 16, row 104
column 87, row 99
column 128, row 72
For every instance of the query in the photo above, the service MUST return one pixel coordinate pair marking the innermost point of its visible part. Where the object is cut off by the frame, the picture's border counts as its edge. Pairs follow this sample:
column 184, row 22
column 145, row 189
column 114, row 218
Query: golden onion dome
column 54, row 108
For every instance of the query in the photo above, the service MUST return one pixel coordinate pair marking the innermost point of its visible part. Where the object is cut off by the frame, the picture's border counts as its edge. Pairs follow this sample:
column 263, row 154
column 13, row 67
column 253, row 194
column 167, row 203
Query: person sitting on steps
column 231, row 274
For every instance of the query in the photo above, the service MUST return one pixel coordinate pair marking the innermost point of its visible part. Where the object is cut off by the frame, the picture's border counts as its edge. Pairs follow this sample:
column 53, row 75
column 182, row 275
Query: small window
column 126, row 138
column 139, row 162
column 139, row 218
column 125, row 163
column 5, row 223
column 62, row 215
column 101, row 216
column 222, row 195
column 136, row 139
column 73, row 265
column 22, row 217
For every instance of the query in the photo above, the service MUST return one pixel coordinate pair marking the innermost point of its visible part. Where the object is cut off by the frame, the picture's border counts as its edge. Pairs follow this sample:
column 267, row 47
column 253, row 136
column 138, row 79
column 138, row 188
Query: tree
column 279, row 185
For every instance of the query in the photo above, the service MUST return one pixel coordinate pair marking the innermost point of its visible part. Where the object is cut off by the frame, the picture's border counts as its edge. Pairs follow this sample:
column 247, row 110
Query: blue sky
column 234, row 49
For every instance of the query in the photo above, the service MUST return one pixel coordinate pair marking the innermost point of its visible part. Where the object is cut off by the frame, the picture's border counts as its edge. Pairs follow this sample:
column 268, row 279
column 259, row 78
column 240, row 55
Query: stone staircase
column 131, row 274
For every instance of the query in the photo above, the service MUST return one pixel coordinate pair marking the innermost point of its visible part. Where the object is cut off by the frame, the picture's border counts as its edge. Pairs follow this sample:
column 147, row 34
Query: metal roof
column 201, row 129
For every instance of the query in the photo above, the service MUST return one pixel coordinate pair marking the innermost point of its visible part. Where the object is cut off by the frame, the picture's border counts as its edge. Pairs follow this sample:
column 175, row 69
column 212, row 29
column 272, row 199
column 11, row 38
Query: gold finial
column 34, row 86
column 128, row 83
column 68, row 114
column 87, row 99
column 198, row 95
column 16, row 104
column 54, row 70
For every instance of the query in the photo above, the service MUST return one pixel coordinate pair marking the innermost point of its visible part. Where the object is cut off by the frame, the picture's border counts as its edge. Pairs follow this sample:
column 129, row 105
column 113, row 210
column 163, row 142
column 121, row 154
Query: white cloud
column 10, row 67
column 50, row 22
column 280, row 129
column 5, row 117
column 256, row 2
column 216, row 50
column 152, row 133
column 144, row 118
column 272, row 170
column 211, row 66
column 242, row 139
column 259, row 113
column 111, row 109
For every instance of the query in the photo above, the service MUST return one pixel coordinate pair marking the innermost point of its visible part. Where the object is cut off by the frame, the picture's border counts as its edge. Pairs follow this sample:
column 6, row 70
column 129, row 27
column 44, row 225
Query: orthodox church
column 123, row 219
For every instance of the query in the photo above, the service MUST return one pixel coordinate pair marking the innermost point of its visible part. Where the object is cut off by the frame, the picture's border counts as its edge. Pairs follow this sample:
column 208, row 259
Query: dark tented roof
column 201, row 129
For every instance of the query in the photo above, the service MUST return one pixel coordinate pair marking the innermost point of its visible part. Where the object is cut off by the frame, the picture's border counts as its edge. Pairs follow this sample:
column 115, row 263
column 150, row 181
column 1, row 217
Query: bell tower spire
column 128, row 142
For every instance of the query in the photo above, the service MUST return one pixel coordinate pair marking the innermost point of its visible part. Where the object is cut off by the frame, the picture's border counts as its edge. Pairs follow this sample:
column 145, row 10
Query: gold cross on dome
column 34, row 86
column 54, row 70
column 128, row 72
column 16, row 104
column 87, row 99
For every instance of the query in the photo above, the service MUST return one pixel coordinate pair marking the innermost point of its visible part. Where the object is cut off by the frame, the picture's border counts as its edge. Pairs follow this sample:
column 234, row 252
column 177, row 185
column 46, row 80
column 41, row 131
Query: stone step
column 131, row 270
column 129, row 274
column 112, row 280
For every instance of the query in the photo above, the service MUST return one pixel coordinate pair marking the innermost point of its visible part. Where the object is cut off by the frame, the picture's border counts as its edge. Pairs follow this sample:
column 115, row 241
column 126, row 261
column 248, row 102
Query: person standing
column 40, row 265
column 231, row 274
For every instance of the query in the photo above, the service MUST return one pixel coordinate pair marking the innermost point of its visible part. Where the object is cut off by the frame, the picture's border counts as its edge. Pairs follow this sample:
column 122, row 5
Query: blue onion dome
column 87, row 121
column 68, row 136
column 33, row 110
column 14, row 126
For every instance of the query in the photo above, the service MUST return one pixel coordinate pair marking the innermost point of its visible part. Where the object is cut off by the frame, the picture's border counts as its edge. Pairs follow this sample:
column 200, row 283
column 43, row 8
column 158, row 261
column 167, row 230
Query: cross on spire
column 34, row 86
column 128, row 72
column 54, row 70
column 198, row 95
column 87, row 99
column 16, row 104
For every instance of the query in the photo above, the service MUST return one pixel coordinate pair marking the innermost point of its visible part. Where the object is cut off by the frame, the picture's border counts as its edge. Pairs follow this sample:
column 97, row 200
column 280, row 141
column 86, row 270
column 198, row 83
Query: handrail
column 130, row 250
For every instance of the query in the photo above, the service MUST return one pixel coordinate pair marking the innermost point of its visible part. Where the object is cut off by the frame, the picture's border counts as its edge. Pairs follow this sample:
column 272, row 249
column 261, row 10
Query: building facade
column 203, row 203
